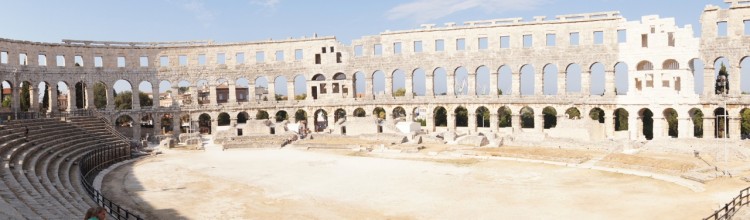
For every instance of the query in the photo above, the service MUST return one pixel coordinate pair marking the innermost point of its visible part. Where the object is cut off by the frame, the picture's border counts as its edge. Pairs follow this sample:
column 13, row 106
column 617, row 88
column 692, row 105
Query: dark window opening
column 331, row 49
column 273, row 130
column 239, row 132
column 343, row 129
column 317, row 58
column 338, row 57
column 324, row 49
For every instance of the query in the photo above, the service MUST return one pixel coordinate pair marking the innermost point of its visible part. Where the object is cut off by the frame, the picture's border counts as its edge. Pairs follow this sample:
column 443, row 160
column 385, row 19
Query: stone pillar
column 450, row 81
column 193, row 95
column 451, row 120
column 157, row 124
column 734, row 83
column 155, row 95
column 516, row 84
column 471, row 82
column 430, row 122
column 633, row 125
column 272, row 91
column 562, row 83
column 389, row 85
column 494, row 122
column 52, row 94
column 539, row 122
column 232, row 95
column 409, row 85
column 708, row 128
column 539, row 82
column 609, row 125
column 493, row 84
column 735, row 127
column 709, row 81
column 136, row 131
column 136, row 99
column 33, row 99
column 472, row 122
column 428, row 85
column 368, row 86
column 684, row 127
column 586, row 83
column 609, row 83
column 16, row 98
column 176, row 125
column 515, row 122
column 214, row 125
column 90, row 97
column 212, row 95
column 309, row 90
column 290, row 91
column 110, row 98
column 72, row 98
column 659, row 125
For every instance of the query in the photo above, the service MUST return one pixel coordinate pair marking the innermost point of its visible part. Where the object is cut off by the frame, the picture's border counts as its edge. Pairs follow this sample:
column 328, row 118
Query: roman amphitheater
column 581, row 116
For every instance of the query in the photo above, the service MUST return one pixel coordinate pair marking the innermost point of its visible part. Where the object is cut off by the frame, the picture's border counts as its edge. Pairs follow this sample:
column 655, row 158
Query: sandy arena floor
column 293, row 184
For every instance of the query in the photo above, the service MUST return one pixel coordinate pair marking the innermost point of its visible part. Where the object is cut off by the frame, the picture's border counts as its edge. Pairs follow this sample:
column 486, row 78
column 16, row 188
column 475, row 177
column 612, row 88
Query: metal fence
column 94, row 162
column 732, row 207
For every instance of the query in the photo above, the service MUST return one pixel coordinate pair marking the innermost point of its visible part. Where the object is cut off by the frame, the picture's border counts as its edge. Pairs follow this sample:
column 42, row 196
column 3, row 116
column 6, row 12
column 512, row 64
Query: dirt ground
column 295, row 184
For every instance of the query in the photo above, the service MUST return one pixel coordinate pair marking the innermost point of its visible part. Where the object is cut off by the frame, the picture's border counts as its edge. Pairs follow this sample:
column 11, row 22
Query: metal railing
column 732, row 207
column 95, row 161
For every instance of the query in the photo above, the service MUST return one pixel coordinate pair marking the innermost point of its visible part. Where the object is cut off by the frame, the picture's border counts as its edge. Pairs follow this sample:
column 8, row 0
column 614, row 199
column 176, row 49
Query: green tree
column 462, row 117
column 183, row 89
column 698, row 123
column 261, row 115
column 300, row 97
column 441, row 117
column 223, row 119
column 124, row 100
column 597, row 114
column 527, row 118
column 573, row 113
column 648, row 124
column 399, row 92
column 7, row 101
column 745, row 114
column 621, row 123
column 280, row 97
column 499, row 91
column 483, row 118
column 300, row 115
column 45, row 97
column 504, row 117
column 359, row 113
column 718, row 87
column 144, row 100
column 671, row 116
column 380, row 112
column 281, row 116
column 550, row 117
column 422, row 122
column 100, row 96
column 25, row 97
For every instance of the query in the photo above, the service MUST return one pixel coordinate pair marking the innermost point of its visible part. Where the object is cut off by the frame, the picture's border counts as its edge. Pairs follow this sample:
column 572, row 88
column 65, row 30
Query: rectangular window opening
column 260, row 57
column 574, row 39
column 622, row 36
column 317, row 58
column 439, row 45
column 418, row 46
column 598, row 37
column 298, row 54
column 22, row 59
column 528, row 41
column 120, row 61
column 747, row 27
column 60, row 60
column 460, row 44
column 143, row 60
column 4, row 57
column 482, row 43
column 323, row 49
column 504, row 41
column 722, row 28
column 221, row 58
column 644, row 40
column 239, row 58
column 670, row 39
column 397, row 48
column 551, row 40
column 182, row 60
column 78, row 60
column 201, row 59
column 98, row 61
column 378, row 49
column 358, row 51
column 42, row 60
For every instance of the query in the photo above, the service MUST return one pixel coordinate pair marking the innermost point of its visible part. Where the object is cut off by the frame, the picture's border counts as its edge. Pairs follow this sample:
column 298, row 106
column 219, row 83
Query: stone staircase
column 39, row 177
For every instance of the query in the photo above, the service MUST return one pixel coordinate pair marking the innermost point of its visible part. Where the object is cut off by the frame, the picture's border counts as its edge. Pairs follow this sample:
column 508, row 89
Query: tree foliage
column 462, row 117
column 527, row 118
column 300, row 96
column 722, row 87
column 399, row 92
column 573, row 113
column 621, row 121
column 648, row 124
column 45, row 97
column 504, row 117
column 597, row 114
column 124, row 100
column 698, row 123
column 100, row 96
column 379, row 112
column 223, row 119
column 483, row 117
column 7, row 101
column 300, row 115
column 550, row 117
column 671, row 116
column 25, row 97
column 261, row 115
column 80, row 93
column 441, row 117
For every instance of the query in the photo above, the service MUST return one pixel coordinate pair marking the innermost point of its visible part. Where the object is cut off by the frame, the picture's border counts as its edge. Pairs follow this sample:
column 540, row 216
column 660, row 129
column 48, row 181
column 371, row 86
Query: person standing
column 96, row 213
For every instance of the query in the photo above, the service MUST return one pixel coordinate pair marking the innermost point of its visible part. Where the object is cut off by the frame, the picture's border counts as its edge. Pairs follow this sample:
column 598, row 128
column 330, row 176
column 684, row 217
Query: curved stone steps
column 65, row 177
column 61, row 183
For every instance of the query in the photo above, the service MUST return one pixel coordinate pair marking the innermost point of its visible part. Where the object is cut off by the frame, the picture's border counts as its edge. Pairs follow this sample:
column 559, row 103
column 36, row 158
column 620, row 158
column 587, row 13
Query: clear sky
column 252, row 20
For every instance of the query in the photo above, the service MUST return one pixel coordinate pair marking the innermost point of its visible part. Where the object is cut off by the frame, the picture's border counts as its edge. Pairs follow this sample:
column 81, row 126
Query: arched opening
column 25, row 96
column 184, row 94
column 573, row 78
column 222, row 91
column 359, row 112
column 301, row 116
column 745, row 77
column 550, row 80
column 147, row 121
column 378, row 82
column 482, row 81
column 622, row 82
column 203, row 92
column 527, row 80
column 527, row 117
column 242, row 90
column 379, row 113
column 280, row 89
column 721, row 76
column 745, row 123
column 166, row 124
column 419, row 82
column 123, row 95
column 6, row 95
column 398, row 112
column 645, row 65
column 80, row 98
column 124, row 125
column 261, row 89
column 621, row 119
column 573, row 113
column 339, row 114
column 204, row 123
column 321, row 120
column 223, row 119
column 439, row 82
column 670, row 115
column 460, row 81
column 462, row 117
column 721, row 128
column 504, row 117
column 504, row 80
column 186, row 124
column 597, row 79
column 44, row 92
column 262, row 115
column 647, row 120
column 440, row 116
column 242, row 117
column 145, row 92
column 300, row 87
column 482, row 117
column 419, row 115
column 696, row 67
column 360, row 84
column 281, row 116
column 165, row 94
column 550, row 117
column 597, row 114
column 398, row 83
column 696, row 115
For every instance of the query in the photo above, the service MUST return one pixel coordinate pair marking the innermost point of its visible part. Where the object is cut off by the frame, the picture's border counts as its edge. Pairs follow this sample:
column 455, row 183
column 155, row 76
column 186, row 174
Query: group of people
column 96, row 213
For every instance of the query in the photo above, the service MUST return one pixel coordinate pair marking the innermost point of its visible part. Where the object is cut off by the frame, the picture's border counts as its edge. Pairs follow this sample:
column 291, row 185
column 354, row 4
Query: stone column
column 659, row 124
column 212, row 95
column 157, row 124
column 155, row 95
column 709, row 81
column 272, row 91
column 609, row 125
column 451, row 121
column 734, row 83
column 430, row 122
column 539, row 122
column 633, row 125
column 175, row 95
column 516, row 84
column 193, row 95
column 52, row 94
column 368, row 86
column 471, row 82
column 136, row 131
column 494, row 122
column 33, row 99
column 309, row 90
column 136, row 99
column 515, row 122
column 16, row 98
column 409, row 85
column 90, row 96
column 176, row 125
column 493, row 84
column 389, row 85
column 609, row 83
column 472, row 122
column 290, row 91
column 450, row 81
column 586, row 83
column 232, row 95
column 562, row 84
column 684, row 127
column 708, row 127
column 539, row 82
column 110, row 98
column 214, row 125
column 428, row 85
column 735, row 127
column 72, row 98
